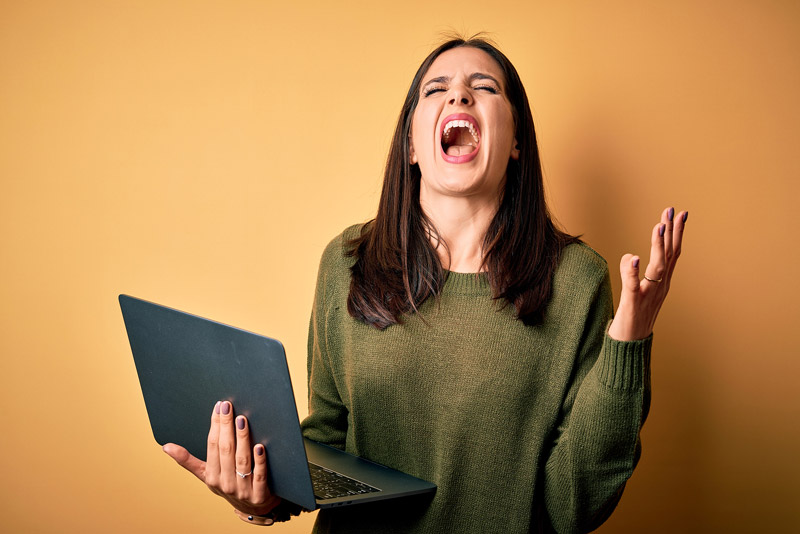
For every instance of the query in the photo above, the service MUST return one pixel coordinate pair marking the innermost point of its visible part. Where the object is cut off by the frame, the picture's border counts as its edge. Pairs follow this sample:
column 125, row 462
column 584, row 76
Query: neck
column 462, row 223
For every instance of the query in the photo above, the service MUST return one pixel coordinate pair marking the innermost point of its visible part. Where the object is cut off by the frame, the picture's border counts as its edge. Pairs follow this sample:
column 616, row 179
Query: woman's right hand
column 227, row 469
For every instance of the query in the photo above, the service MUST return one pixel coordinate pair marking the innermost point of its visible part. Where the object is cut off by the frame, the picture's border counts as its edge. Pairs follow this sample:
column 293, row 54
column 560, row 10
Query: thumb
column 191, row 463
column 629, row 272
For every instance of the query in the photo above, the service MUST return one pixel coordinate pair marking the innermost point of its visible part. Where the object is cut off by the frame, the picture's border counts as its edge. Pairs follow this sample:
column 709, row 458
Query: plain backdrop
column 202, row 153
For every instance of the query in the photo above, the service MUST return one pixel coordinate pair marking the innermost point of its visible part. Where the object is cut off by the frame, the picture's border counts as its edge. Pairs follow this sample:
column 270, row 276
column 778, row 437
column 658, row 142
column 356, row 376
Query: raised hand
column 231, row 470
column 641, row 299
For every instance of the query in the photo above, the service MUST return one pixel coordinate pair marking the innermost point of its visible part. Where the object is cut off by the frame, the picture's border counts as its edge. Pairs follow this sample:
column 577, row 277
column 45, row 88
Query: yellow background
column 201, row 154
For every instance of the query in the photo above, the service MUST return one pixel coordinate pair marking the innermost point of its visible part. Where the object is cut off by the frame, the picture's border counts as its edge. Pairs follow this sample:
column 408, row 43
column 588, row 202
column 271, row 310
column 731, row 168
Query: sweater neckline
column 466, row 283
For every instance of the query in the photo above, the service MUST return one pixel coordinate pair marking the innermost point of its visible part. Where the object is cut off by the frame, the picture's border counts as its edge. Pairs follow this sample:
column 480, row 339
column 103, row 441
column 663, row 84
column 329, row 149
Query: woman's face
column 462, row 130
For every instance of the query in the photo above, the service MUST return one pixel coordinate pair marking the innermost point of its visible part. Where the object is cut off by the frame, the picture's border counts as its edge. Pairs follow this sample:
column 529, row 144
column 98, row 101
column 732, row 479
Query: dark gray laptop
column 186, row 364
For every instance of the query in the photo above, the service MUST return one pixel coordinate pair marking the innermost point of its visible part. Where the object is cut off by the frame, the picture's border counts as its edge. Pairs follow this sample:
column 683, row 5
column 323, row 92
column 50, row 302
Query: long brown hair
column 397, row 268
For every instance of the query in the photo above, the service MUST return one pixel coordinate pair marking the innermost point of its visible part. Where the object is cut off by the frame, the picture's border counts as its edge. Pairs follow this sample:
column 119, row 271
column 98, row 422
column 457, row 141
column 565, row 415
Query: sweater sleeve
column 327, row 414
column 596, row 446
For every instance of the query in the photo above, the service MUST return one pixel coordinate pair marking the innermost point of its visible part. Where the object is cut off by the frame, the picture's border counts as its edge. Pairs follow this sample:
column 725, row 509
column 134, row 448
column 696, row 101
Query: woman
column 461, row 338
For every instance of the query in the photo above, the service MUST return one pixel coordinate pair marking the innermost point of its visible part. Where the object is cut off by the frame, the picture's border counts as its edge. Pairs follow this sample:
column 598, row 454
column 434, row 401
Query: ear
column 412, row 155
column 515, row 150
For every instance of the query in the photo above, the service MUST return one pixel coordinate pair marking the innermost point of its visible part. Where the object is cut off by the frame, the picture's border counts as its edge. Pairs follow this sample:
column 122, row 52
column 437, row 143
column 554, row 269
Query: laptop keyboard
column 332, row 485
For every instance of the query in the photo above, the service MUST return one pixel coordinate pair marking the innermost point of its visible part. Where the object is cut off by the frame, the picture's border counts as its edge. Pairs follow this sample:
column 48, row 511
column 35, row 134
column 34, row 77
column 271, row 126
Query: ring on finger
column 243, row 475
column 653, row 280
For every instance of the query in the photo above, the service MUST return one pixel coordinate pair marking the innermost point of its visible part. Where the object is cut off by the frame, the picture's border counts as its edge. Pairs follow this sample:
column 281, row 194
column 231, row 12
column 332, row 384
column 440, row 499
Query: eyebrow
column 472, row 77
column 483, row 76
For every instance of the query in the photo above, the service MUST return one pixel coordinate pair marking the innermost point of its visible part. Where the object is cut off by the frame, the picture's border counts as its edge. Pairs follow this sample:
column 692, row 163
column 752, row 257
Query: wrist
column 253, row 519
column 622, row 329
column 279, row 512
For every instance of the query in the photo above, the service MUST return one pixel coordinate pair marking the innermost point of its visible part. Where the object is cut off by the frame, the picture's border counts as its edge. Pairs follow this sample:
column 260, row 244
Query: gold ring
column 652, row 280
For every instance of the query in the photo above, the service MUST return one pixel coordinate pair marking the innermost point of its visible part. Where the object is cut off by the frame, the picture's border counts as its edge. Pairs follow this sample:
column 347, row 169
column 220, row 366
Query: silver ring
column 651, row 280
column 244, row 474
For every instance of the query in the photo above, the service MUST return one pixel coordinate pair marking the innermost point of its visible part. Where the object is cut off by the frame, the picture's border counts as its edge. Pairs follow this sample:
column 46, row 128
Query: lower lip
column 463, row 158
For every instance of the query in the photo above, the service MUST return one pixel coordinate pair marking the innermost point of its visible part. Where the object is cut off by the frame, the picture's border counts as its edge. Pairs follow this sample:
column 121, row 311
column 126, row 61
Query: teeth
column 460, row 124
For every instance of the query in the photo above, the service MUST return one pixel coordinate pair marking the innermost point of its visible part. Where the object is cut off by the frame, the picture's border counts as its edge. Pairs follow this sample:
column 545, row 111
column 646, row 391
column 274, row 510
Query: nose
column 459, row 95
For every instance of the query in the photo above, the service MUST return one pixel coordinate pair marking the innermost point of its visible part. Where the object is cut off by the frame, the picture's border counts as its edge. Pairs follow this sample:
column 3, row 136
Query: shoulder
column 336, row 261
column 579, row 255
column 337, row 252
column 580, row 266
column 581, row 283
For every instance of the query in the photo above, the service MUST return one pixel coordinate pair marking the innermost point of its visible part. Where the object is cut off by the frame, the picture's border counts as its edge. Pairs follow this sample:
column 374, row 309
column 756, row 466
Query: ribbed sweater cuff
column 622, row 364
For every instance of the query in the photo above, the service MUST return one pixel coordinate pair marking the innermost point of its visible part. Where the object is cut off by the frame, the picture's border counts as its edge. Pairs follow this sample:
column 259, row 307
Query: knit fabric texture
column 523, row 429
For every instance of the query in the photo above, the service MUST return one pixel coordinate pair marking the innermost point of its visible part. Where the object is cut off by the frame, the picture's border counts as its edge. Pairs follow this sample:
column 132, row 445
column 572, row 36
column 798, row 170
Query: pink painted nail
column 661, row 230
column 226, row 408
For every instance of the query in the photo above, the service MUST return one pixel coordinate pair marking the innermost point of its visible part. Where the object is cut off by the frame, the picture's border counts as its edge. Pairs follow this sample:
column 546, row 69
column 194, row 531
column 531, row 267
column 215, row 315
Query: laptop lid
column 187, row 363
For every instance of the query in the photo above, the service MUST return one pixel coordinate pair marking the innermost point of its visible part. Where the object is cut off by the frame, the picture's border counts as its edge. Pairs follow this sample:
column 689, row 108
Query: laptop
column 187, row 363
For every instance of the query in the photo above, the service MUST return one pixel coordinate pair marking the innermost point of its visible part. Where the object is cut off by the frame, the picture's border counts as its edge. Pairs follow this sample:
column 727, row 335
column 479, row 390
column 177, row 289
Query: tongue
column 458, row 150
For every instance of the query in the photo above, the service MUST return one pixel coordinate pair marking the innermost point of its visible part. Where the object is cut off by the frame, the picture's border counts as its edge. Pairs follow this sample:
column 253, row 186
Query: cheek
column 420, row 144
column 508, row 132
column 423, row 127
column 416, row 142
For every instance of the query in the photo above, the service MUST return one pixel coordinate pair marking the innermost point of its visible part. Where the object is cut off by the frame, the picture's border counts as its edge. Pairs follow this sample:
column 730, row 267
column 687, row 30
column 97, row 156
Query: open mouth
column 461, row 138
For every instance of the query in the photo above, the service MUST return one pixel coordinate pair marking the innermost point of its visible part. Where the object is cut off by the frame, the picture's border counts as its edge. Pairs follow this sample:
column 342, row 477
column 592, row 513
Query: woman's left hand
column 641, row 300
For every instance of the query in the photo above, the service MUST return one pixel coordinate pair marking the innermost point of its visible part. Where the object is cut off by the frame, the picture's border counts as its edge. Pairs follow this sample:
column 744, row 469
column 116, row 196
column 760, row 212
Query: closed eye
column 431, row 90
column 487, row 88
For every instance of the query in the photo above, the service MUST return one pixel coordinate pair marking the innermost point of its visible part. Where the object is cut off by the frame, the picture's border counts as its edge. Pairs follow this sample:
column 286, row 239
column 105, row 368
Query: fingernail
column 685, row 216
column 636, row 263
column 226, row 408
column 240, row 422
column 671, row 213
column 259, row 450
column 216, row 407
column 661, row 230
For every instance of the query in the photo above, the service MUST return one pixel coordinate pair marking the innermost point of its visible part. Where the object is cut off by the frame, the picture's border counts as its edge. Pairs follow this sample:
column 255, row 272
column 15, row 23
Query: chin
column 456, row 186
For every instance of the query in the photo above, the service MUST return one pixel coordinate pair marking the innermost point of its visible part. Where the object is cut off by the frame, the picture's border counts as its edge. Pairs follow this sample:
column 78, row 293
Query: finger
column 677, row 238
column 667, row 219
column 212, row 449
column 244, row 483
column 629, row 273
column 227, row 447
column 259, row 474
column 191, row 463
column 656, row 266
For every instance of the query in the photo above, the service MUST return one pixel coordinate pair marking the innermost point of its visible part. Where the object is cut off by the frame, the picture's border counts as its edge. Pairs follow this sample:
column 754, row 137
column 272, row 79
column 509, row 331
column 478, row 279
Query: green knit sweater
column 523, row 429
